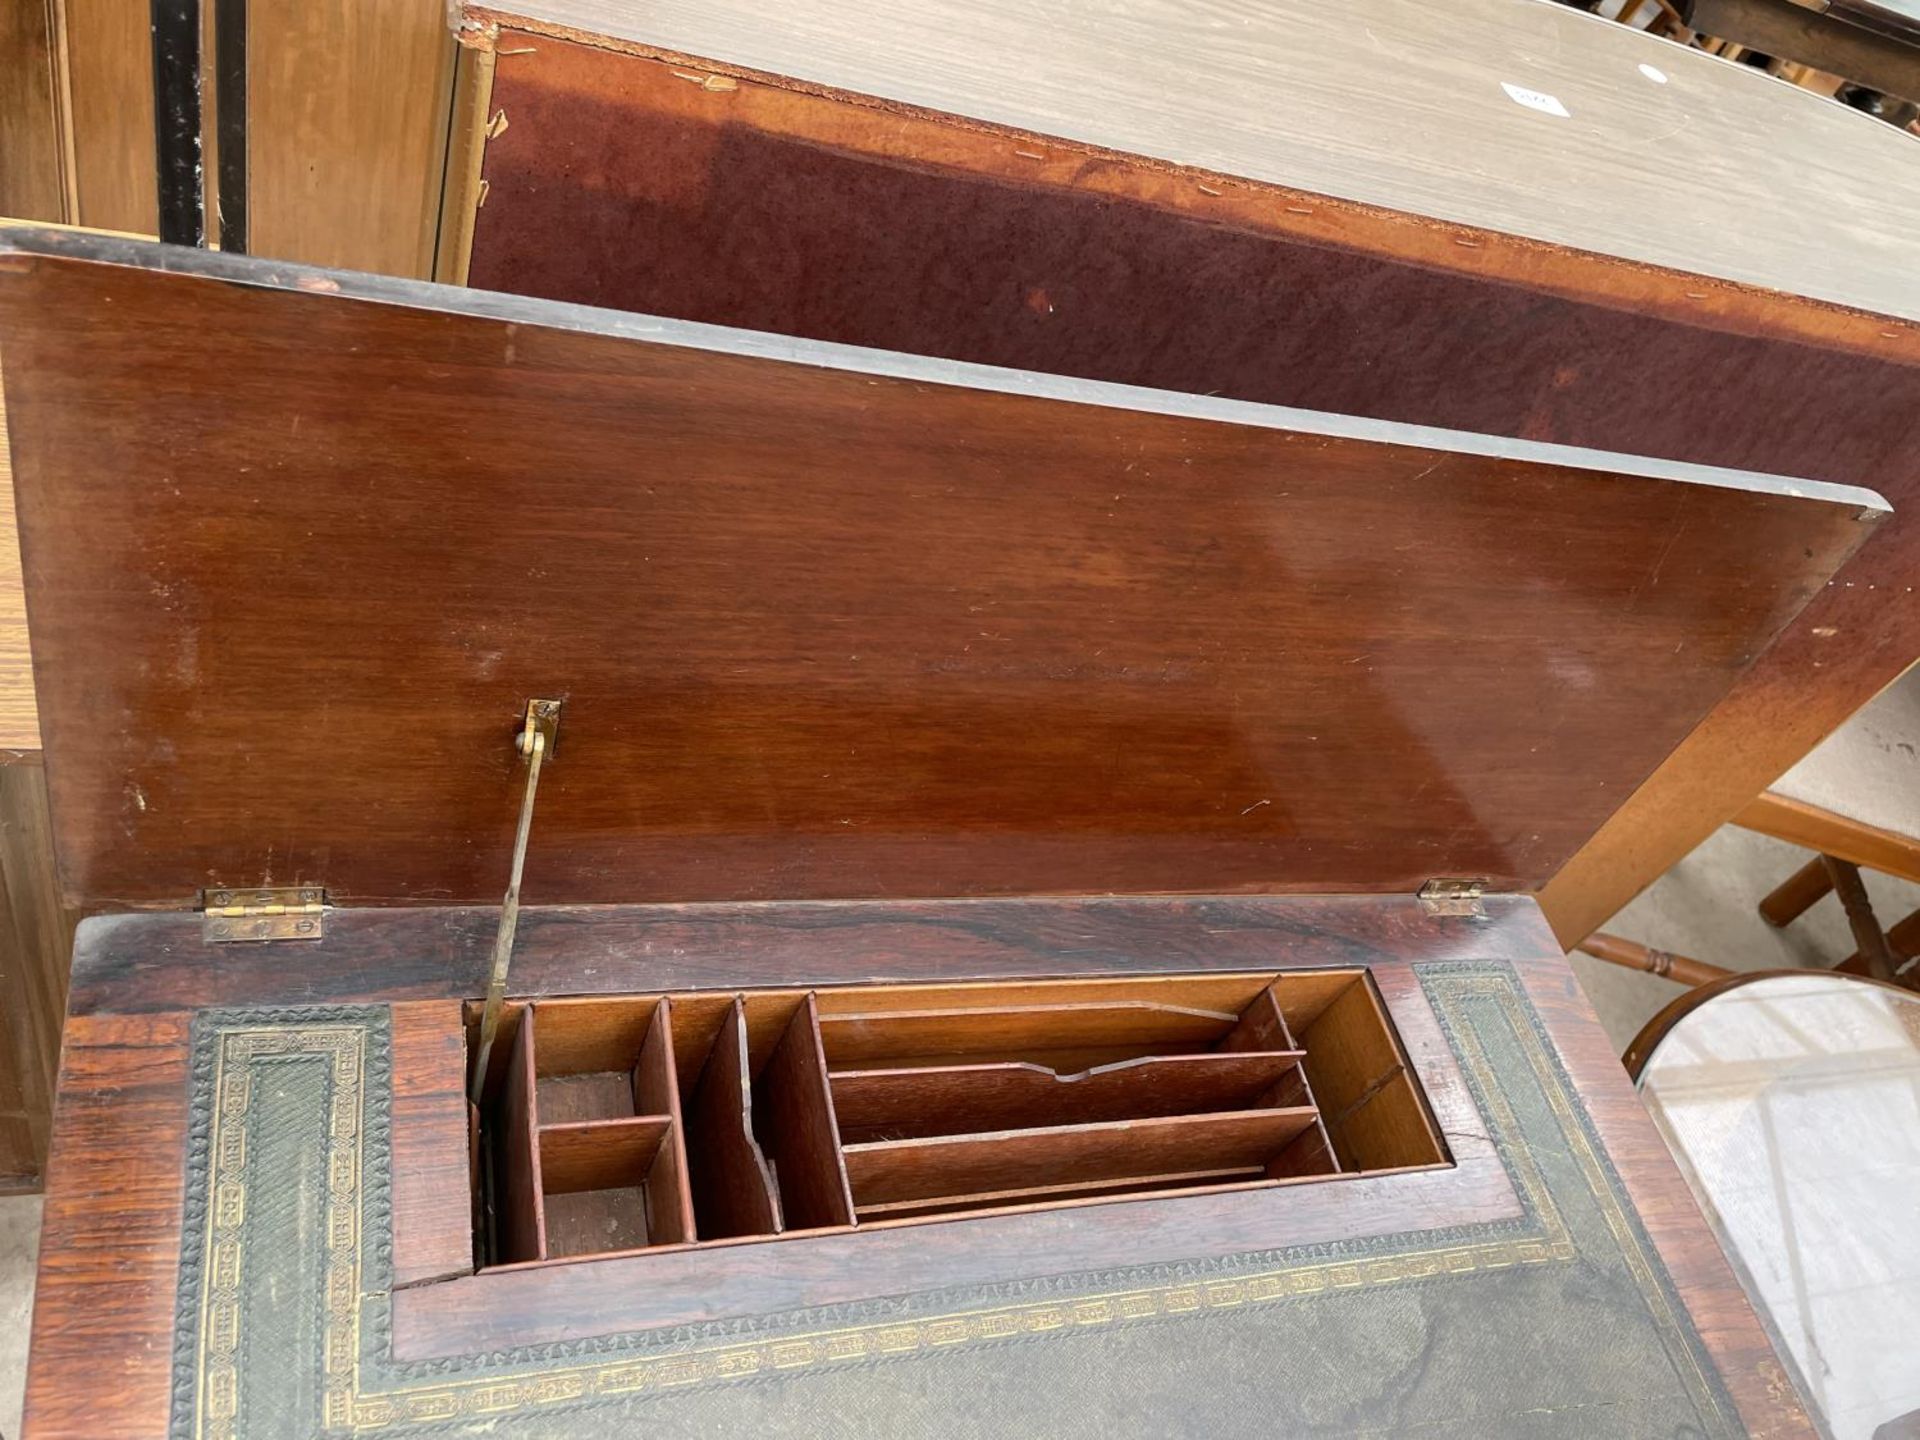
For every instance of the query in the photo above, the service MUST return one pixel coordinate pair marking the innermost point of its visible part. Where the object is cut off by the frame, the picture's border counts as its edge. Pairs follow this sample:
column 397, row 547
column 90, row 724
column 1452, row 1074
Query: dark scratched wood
column 433, row 1231
column 162, row 962
column 1161, row 645
column 101, row 1356
column 36, row 938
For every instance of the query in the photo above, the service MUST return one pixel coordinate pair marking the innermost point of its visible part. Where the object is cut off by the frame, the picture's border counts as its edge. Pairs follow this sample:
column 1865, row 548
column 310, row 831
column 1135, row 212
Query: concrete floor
column 19, row 1246
column 1703, row 907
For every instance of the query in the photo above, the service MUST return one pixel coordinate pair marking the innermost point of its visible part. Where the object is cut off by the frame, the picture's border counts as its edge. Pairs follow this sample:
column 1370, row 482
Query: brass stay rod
column 533, row 741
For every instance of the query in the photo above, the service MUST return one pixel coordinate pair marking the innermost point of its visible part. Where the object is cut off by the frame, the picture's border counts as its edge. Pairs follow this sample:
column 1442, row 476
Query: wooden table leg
column 1789, row 900
column 1867, row 934
column 1633, row 956
column 1903, row 938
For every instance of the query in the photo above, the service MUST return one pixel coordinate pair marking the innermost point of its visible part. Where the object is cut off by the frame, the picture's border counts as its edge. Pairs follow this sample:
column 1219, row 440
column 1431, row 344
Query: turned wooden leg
column 1789, row 900
column 1903, row 938
column 1633, row 956
column 1867, row 934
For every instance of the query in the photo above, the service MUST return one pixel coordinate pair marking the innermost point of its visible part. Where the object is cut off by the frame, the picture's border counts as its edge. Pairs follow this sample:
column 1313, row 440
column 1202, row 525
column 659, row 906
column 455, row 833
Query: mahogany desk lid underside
column 828, row 622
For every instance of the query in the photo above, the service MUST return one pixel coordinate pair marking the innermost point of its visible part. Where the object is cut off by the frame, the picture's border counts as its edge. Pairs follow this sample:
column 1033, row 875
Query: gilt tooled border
column 1667, row 1310
column 361, row 1037
column 570, row 1375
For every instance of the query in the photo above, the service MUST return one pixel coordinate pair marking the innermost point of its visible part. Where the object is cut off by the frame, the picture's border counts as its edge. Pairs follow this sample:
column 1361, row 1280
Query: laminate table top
column 1530, row 119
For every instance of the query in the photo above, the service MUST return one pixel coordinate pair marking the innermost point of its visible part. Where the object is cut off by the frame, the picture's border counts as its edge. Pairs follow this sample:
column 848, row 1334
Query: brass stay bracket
column 535, row 741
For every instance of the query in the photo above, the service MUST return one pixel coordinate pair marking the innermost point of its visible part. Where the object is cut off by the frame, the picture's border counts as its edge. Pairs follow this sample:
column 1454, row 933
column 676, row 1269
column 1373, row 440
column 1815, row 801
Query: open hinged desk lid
column 827, row 623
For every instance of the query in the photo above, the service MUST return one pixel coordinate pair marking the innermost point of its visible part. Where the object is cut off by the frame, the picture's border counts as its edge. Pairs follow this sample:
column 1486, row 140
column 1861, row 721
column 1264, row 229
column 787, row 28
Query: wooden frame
column 1827, row 833
column 1828, row 38
column 1643, row 1045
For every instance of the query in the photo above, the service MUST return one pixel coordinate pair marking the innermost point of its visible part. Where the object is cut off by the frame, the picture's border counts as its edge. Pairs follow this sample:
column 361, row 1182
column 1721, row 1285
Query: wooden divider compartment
column 733, row 1185
column 615, row 1124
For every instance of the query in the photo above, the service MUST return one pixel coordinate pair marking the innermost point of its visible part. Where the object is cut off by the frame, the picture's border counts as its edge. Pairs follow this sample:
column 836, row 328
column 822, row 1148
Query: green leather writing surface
column 1562, row 1322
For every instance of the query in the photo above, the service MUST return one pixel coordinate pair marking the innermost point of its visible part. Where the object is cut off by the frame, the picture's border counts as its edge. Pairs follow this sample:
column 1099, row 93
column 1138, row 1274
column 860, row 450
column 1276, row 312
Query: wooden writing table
column 909, row 725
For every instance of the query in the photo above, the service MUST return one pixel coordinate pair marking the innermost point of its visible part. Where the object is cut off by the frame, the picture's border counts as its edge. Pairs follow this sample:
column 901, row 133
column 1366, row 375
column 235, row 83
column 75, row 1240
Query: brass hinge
column 1453, row 897
column 293, row 913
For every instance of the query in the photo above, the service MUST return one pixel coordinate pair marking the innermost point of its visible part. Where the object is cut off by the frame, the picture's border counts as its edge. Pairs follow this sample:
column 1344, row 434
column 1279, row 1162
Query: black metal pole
column 230, row 118
column 176, row 120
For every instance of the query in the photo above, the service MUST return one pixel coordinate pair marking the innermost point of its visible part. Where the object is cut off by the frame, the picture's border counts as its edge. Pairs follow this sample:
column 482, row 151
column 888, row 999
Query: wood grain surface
column 710, row 1284
column 656, row 1091
column 1369, row 1102
column 110, row 1232
column 1293, row 287
column 733, row 1186
column 142, row 964
column 1392, row 105
column 33, row 135
column 19, row 713
column 1050, row 252
column 519, row 1222
column 1819, row 37
column 600, row 1154
column 1037, row 1023
column 794, row 1116
column 956, row 1099
column 109, row 58
column 36, row 940
column 432, row 1238
column 886, row 1038
column 1795, row 821
column 888, row 1171
column 1165, row 643
column 347, row 107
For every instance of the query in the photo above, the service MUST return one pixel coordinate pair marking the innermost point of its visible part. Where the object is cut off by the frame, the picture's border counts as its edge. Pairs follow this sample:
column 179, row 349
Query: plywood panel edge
column 19, row 714
column 462, row 191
